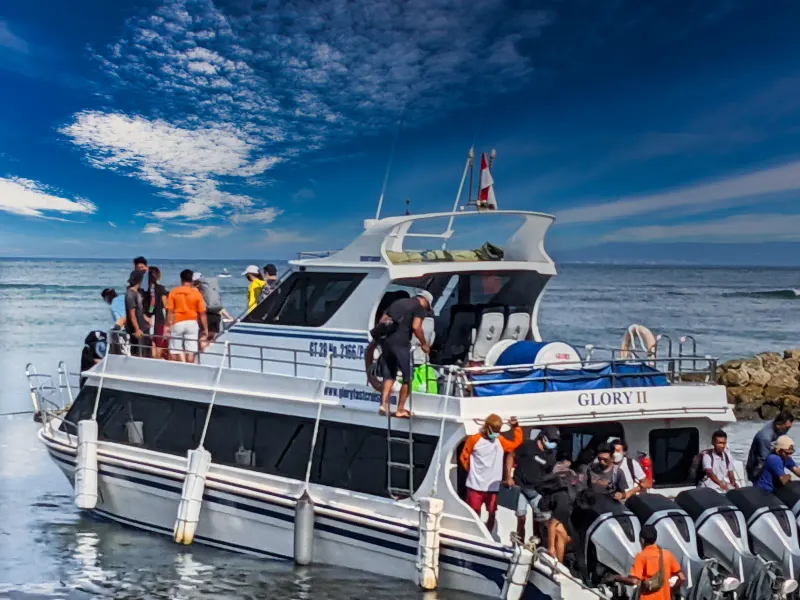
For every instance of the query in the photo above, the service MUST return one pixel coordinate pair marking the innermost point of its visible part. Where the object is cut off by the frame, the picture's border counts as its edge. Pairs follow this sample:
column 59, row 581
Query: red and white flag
column 486, row 197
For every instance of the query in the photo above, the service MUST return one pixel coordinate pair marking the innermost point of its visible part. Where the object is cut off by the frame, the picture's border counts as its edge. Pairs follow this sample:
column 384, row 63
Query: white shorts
column 183, row 337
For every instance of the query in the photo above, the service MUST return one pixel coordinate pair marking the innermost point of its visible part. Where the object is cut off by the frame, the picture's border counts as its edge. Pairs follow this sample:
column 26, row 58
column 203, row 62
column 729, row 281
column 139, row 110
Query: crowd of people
column 154, row 322
column 558, row 490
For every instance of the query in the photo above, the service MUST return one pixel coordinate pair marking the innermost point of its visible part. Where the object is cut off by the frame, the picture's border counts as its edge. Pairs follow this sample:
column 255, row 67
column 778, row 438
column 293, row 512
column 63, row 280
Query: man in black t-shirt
column 135, row 322
column 407, row 314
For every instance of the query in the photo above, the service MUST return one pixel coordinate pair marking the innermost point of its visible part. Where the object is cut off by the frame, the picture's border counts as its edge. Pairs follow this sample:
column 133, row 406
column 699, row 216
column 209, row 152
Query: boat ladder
column 400, row 455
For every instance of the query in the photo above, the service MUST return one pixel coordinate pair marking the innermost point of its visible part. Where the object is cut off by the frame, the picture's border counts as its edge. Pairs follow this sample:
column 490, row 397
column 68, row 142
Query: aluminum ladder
column 404, row 446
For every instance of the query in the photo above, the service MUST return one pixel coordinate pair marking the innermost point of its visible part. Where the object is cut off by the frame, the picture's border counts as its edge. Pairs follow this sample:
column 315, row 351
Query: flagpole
column 458, row 195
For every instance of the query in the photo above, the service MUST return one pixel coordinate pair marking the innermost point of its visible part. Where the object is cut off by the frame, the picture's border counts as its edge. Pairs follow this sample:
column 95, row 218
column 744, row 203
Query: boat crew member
column 186, row 319
column 631, row 478
column 135, row 321
column 482, row 458
column 543, row 489
column 653, row 569
column 773, row 474
column 762, row 443
column 402, row 317
column 716, row 465
column 257, row 283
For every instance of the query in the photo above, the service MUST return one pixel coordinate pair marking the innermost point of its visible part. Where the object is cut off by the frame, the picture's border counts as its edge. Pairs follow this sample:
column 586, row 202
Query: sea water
column 49, row 550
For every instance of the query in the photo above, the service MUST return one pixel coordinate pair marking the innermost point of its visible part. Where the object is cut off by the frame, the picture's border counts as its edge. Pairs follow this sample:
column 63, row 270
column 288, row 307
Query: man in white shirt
column 717, row 465
column 631, row 478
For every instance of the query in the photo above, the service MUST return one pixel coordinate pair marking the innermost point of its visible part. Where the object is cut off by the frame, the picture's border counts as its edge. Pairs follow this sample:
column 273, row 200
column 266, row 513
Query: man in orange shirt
column 647, row 565
column 184, row 306
column 482, row 458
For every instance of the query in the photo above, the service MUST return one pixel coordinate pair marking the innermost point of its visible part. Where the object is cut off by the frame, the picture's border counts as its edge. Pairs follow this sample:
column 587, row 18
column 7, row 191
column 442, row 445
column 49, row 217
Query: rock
column 738, row 363
column 792, row 353
column 789, row 401
column 783, row 376
column 769, row 358
column 734, row 377
column 747, row 394
column 792, row 363
column 745, row 413
column 768, row 411
column 757, row 375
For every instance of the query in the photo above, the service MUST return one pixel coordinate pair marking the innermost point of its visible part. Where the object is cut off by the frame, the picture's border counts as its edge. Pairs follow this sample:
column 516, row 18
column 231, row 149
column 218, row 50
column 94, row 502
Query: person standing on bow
column 186, row 319
column 257, row 284
column 483, row 457
column 393, row 332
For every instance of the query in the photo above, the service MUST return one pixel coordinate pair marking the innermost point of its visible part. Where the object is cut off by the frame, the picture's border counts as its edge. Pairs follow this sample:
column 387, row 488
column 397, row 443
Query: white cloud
column 736, row 229
column 740, row 189
column 31, row 199
column 153, row 228
column 267, row 215
column 304, row 194
column 188, row 162
column 205, row 231
column 114, row 225
column 11, row 41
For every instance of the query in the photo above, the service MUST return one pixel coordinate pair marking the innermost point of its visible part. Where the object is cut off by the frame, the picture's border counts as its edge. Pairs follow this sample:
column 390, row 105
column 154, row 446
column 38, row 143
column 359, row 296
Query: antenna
column 391, row 159
column 471, row 170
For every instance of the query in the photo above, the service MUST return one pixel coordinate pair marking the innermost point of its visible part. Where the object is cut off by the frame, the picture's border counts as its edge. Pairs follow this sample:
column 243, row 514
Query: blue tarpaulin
column 533, row 381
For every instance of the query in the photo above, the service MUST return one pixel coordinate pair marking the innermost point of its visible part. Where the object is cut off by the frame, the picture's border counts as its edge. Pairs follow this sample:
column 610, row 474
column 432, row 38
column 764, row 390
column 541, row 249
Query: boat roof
column 385, row 240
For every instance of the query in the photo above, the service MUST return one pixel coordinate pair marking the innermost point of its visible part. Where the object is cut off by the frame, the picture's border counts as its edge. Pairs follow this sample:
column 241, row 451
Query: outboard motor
column 772, row 528
column 789, row 494
column 95, row 347
column 609, row 537
column 722, row 535
column 704, row 580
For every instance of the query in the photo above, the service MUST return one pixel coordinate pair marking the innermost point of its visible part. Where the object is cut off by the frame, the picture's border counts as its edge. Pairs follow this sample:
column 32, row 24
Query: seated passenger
column 716, row 465
column 546, row 491
column 482, row 458
column 631, row 478
column 773, row 474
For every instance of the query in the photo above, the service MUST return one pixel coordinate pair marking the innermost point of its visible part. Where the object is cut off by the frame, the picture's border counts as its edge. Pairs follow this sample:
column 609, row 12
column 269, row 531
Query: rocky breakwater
column 761, row 386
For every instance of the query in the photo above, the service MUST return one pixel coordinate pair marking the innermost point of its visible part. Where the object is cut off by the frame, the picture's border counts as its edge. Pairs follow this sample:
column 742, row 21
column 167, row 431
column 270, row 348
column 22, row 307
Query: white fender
column 198, row 463
column 86, row 465
column 518, row 572
column 638, row 336
column 430, row 523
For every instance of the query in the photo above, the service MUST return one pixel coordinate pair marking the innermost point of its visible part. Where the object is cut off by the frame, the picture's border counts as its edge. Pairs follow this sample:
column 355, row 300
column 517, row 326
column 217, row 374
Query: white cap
column 427, row 295
column 197, row 276
column 784, row 442
column 251, row 270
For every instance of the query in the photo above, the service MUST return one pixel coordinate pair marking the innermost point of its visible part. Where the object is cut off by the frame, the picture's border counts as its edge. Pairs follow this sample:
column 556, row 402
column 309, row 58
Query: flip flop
column 382, row 411
column 405, row 415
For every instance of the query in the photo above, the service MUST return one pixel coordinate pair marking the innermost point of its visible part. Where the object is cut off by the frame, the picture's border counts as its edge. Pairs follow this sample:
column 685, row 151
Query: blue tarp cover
column 534, row 381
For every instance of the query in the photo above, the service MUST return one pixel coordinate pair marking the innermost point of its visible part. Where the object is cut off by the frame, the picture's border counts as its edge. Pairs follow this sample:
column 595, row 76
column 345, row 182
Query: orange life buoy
column 638, row 338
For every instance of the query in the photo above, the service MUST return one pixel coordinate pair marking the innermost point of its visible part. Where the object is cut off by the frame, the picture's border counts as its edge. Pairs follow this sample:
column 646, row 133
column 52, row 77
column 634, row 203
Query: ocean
column 49, row 550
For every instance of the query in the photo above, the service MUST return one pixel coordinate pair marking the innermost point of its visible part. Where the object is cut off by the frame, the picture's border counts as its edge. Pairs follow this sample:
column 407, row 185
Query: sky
column 660, row 131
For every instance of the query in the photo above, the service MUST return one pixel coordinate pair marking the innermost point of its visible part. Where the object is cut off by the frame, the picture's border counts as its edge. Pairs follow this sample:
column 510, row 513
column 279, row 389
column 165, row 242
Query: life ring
column 638, row 338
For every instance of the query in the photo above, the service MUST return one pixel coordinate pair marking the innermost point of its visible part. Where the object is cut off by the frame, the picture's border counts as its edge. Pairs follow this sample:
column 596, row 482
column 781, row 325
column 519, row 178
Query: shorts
column 533, row 499
column 396, row 357
column 184, row 337
column 561, row 506
column 476, row 499
column 214, row 321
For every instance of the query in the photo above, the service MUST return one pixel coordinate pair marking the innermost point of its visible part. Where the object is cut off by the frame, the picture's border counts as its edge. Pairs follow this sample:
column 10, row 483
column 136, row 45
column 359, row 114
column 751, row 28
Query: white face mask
column 617, row 457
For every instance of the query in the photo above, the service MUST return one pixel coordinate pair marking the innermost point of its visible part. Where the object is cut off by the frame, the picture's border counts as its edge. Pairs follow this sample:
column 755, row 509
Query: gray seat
column 487, row 333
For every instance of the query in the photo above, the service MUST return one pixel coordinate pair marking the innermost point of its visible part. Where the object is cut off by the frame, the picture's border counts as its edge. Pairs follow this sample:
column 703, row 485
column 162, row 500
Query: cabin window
column 351, row 457
column 306, row 299
column 579, row 442
column 672, row 452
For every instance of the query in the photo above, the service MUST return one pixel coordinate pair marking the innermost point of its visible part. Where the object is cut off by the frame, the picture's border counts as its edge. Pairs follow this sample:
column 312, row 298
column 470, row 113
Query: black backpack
column 697, row 473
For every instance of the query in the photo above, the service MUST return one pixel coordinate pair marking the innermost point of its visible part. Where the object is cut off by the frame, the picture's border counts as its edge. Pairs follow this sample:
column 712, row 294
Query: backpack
column 696, row 471
column 385, row 328
column 210, row 290
column 656, row 582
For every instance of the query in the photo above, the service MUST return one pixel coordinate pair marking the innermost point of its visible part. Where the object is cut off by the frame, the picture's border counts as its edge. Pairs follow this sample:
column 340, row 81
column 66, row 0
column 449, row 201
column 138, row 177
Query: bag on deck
column 425, row 380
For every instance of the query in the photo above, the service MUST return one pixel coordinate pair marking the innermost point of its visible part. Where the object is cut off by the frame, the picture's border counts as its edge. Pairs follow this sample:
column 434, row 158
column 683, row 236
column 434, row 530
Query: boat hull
column 141, row 498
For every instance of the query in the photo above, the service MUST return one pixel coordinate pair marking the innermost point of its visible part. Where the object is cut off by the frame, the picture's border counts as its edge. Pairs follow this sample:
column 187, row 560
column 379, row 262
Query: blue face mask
column 550, row 445
column 493, row 436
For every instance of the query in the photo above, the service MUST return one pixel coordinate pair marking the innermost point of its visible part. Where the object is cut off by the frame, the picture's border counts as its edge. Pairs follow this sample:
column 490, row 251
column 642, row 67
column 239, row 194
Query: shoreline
column 759, row 387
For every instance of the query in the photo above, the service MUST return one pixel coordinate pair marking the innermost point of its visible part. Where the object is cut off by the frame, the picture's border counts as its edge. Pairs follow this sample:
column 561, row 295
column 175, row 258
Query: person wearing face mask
column 544, row 489
column 482, row 458
column 601, row 474
column 761, row 447
column 631, row 478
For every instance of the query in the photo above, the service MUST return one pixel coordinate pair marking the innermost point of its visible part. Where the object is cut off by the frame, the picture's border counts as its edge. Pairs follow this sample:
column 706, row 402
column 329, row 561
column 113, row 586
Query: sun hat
column 784, row 442
column 251, row 270
column 425, row 294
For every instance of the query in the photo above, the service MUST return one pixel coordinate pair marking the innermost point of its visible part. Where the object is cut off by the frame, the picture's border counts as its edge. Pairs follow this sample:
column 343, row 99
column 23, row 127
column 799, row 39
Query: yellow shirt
column 254, row 293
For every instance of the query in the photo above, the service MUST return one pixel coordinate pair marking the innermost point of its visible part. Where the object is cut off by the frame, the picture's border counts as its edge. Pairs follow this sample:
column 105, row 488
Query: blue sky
column 254, row 128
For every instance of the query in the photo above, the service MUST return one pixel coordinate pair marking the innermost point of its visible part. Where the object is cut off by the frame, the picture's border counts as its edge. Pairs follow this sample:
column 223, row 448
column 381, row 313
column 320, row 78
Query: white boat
column 224, row 273
column 292, row 415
